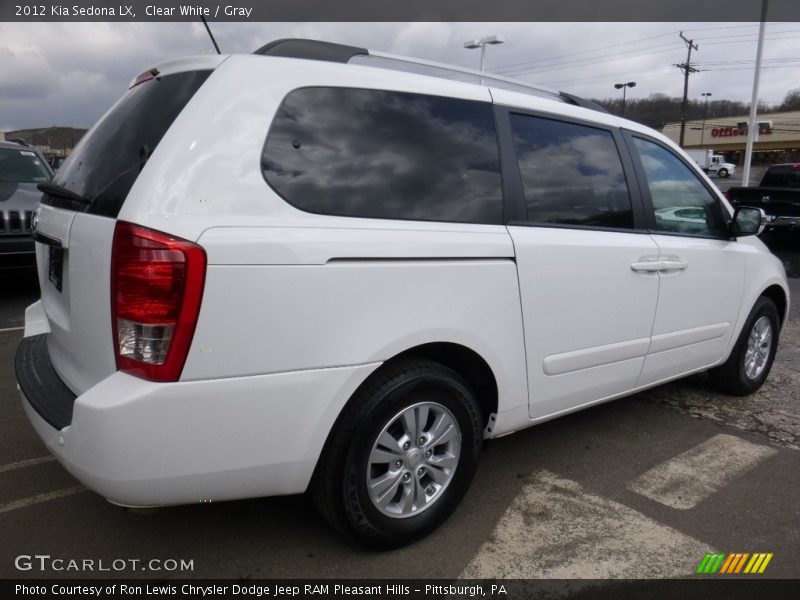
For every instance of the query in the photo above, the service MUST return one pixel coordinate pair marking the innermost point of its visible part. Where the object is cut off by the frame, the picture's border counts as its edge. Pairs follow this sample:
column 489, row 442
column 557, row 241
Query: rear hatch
column 78, row 212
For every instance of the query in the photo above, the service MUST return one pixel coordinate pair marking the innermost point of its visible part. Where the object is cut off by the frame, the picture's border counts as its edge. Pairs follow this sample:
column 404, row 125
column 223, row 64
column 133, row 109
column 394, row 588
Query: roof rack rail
column 469, row 75
column 341, row 53
column 311, row 49
column 583, row 102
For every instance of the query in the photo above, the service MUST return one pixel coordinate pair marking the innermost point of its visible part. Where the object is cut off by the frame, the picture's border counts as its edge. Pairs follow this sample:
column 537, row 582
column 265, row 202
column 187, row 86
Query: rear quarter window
column 387, row 155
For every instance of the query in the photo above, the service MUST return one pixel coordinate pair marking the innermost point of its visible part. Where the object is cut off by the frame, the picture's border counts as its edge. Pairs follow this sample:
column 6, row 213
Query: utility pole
column 687, row 69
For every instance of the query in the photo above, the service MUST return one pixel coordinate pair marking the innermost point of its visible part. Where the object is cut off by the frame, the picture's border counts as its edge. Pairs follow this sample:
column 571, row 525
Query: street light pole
column 481, row 43
column 752, row 125
column 624, row 87
column 705, row 112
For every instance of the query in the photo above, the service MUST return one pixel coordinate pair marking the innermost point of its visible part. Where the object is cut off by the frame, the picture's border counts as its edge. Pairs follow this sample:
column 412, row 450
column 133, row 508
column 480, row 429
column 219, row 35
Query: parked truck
column 712, row 163
column 778, row 194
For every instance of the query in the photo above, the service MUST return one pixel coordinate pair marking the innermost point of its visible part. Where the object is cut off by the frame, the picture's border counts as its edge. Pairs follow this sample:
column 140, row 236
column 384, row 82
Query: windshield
column 22, row 166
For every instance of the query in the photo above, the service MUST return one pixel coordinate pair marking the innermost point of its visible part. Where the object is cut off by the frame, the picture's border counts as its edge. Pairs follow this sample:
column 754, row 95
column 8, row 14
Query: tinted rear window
column 107, row 161
column 782, row 177
column 389, row 155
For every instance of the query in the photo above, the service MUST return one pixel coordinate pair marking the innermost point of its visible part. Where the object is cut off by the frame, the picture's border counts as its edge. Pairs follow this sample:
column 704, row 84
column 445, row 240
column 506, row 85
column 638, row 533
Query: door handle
column 650, row 265
column 646, row 265
column 673, row 263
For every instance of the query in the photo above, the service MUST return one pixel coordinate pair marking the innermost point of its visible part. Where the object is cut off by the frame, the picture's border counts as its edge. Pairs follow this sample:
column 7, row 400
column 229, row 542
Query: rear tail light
column 157, row 284
column 728, row 195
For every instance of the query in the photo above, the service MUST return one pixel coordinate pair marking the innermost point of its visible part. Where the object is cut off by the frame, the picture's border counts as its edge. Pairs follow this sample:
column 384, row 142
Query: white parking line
column 12, row 329
column 30, row 462
column 684, row 481
column 39, row 498
column 554, row 529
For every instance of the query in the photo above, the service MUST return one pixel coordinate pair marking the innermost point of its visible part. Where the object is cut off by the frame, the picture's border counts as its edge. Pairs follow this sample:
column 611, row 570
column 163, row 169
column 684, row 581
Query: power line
column 586, row 62
column 653, row 37
column 608, row 76
column 510, row 66
column 723, row 27
column 750, row 68
column 747, row 61
column 741, row 35
column 630, row 75
column 740, row 41
column 590, row 61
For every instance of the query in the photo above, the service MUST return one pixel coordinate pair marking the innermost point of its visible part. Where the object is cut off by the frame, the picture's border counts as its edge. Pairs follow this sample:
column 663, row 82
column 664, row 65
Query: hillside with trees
column 659, row 109
column 59, row 139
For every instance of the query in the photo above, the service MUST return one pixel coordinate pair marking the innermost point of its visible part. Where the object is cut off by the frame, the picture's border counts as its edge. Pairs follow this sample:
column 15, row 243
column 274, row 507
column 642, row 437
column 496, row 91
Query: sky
column 68, row 74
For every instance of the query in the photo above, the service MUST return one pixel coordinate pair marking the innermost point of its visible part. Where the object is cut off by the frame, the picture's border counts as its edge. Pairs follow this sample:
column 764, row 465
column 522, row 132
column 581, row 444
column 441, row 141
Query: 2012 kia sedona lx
column 310, row 269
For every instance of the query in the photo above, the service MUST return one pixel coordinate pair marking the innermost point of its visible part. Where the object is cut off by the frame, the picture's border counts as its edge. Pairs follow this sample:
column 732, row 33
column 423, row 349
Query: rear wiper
column 54, row 189
column 144, row 155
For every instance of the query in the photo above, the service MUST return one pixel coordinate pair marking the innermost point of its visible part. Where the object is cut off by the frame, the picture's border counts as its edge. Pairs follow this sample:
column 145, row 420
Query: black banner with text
column 391, row 10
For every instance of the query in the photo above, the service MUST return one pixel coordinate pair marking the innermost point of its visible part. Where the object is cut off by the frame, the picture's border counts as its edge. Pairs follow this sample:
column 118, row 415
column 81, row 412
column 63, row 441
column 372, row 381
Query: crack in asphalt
column 773, row 411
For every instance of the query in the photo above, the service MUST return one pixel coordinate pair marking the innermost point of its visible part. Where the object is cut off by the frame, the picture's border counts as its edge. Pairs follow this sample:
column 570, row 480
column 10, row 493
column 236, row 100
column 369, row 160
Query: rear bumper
column 40, row 384
column 140, row 443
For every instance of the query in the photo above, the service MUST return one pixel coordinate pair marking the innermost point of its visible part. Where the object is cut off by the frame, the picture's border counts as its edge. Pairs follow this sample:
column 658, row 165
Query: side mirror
column 748, row 220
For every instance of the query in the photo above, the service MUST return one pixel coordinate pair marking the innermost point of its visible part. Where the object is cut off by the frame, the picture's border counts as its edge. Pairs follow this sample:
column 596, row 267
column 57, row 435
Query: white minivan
column 313, row 268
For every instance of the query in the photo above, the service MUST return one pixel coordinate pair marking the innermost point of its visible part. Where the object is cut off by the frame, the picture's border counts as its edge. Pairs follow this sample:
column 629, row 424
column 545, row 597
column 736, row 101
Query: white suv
column 271, row 273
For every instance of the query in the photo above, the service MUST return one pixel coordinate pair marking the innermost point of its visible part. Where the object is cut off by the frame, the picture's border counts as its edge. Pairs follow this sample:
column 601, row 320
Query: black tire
column 731, row 376
column 339, row 486
column 723, row 173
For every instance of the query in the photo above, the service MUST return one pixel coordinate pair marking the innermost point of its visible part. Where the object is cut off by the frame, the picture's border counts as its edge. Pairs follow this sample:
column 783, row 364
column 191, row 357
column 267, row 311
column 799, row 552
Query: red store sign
column 763, row 129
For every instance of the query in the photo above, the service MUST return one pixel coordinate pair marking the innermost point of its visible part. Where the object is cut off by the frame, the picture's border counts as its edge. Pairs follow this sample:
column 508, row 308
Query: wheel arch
column 334, row 485
column 778, row 295
column 461, row 359
column 774, row 288
column 467, row 363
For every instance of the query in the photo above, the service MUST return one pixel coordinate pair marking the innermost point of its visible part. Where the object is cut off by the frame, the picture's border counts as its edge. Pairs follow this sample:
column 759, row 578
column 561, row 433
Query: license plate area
column 55, row 266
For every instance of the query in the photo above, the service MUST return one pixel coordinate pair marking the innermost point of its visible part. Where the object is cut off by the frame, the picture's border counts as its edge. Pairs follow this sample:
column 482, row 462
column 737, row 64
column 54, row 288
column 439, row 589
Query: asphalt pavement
column 735, row 180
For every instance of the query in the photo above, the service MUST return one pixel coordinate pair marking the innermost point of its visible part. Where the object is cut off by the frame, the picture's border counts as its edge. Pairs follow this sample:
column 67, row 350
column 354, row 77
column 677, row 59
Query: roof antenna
column 211, row 35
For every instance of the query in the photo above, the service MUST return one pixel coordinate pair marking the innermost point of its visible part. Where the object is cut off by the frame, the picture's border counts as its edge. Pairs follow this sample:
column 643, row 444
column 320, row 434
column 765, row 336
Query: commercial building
column 777, row 140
